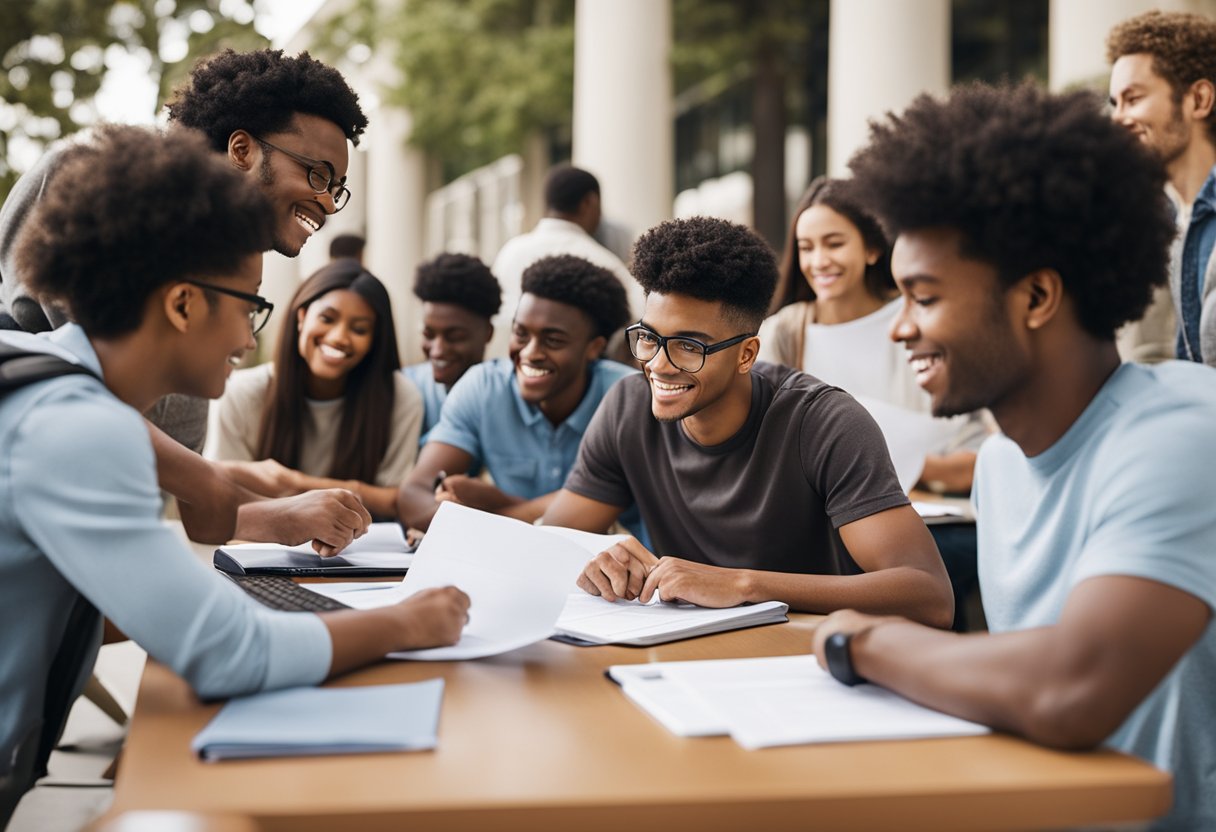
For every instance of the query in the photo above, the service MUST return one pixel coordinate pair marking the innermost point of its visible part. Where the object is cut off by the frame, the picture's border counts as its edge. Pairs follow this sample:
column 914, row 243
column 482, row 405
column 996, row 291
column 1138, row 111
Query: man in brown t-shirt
column 756, row 482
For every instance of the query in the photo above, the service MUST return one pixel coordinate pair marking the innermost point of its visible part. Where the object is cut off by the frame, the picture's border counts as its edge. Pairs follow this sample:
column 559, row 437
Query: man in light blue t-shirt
column 1029, row 228
column 459, row 298
column 522, row 418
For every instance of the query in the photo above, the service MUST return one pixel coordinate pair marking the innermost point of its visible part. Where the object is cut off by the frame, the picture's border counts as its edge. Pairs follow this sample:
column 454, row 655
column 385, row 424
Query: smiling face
column 300, row 211
column 831, row 254
column 1144, row 103
column 336, row 333
column 551, row 346
column 218, row 346
column 954, row 323
column 453, row 340
column 674, row 393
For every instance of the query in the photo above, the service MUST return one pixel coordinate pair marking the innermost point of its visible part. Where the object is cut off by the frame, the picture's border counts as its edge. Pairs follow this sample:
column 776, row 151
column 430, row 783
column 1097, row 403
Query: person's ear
column 872, row 255
column 747, row 355
column 1041, row 293
column 595, row 348
column 1200, row 96
column 300, row 313
column 179, row 305
column 489, row 332
column 243, row 150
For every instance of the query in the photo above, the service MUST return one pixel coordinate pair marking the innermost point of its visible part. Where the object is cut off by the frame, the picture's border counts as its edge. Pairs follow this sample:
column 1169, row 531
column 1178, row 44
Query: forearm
column 207, row 498
column 380, row 500
column 363, row 636
column 1013, row 682
column 901, row 590
column 530, row 510
column 416, row 505
column 951, row 473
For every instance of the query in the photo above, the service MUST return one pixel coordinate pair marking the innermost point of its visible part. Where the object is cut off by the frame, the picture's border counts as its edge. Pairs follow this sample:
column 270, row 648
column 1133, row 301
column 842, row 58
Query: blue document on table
column 311, row 721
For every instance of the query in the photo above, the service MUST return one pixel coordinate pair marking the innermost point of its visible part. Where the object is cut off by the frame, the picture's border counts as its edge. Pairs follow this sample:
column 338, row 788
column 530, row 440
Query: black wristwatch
column 840, row 660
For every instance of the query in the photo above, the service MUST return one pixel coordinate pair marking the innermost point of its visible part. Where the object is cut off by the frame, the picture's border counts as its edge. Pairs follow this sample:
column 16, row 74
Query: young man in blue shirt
column 522, row 417
column 1028, row 229
column 153, row 244
column 459, row 298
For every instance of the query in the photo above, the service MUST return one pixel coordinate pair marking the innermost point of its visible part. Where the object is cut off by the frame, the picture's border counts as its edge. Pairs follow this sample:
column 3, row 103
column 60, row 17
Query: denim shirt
column 1196, row 255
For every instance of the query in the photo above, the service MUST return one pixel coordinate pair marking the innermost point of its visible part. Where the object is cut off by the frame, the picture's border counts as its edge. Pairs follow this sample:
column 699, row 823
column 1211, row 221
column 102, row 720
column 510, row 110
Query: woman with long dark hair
column 332, row 409
column 835, row 302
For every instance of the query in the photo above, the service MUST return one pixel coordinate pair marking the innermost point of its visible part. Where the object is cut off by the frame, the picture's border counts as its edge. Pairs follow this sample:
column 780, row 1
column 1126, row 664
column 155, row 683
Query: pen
column 439, row 478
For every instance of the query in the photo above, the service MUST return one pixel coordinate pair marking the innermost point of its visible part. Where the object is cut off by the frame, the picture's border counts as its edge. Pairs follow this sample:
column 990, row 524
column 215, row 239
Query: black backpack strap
column 19, row 368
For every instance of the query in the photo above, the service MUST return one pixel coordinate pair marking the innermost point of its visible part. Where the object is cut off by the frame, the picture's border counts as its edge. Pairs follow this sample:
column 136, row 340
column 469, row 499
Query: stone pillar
column 624, row 120
column 881, row 55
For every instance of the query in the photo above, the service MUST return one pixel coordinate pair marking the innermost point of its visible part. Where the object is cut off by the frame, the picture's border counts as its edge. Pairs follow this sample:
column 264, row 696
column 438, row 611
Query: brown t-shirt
column 808, row 460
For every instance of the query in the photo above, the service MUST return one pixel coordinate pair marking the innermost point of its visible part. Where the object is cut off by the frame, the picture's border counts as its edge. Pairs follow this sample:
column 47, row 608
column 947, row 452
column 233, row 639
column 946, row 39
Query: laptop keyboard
column 284, row 594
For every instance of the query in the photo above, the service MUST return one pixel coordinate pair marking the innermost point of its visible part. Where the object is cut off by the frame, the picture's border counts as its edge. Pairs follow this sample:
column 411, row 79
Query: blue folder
column 311, row 721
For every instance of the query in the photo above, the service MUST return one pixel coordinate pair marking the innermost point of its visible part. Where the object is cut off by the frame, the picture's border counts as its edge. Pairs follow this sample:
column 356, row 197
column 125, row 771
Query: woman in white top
column 836, row 300
column 332, row 409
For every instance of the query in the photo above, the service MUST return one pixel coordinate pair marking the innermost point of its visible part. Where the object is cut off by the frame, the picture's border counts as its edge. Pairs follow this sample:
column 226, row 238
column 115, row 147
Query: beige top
column 237, row 418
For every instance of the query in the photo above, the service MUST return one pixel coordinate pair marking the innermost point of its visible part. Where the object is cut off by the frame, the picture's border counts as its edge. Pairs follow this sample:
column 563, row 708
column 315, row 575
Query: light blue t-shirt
column 1127, row 490
column 80, row 514
column 433, row 395
column 527, row 455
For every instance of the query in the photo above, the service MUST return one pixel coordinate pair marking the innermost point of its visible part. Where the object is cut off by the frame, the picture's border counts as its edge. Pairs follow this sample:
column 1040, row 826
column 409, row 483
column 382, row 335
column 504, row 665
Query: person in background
column 837, row 306
column 521, row 418
column 347, row 245
column 153, row 245
column 331, row 410
column 1028, row 228
column 459, row 298
column 1163, row 90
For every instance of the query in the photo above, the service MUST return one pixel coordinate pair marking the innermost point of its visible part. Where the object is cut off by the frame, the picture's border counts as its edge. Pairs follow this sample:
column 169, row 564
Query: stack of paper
column 590, row 618
column 309, row 721
column 381, row 552
column 786, row 700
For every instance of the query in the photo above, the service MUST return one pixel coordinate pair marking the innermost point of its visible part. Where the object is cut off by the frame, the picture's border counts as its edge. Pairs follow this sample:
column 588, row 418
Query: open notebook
column 382, row 552
column 589, row 619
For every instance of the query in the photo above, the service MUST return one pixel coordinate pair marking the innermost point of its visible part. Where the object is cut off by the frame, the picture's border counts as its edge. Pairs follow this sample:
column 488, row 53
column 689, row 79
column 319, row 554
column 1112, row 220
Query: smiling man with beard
column 755, row 481
column 1028, row 229
column 522, row 417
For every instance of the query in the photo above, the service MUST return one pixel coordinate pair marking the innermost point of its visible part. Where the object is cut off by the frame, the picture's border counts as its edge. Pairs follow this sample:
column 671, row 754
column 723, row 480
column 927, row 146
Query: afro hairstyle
column 709, row 259
column 582, row 284
column 461, row 280
column 1183, row 47
column 260, row 92
column 1031, row 180
column 566, row 186
column 130, row 210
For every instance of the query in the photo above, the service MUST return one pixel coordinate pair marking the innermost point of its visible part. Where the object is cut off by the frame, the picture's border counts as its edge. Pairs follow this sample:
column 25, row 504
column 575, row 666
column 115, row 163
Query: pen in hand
column 439, row 478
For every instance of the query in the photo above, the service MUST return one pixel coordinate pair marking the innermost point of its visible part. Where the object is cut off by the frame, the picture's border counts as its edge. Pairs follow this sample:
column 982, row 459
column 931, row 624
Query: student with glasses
column 755, row 482
column 284, row 121
column 331, row 410
column 80, row 529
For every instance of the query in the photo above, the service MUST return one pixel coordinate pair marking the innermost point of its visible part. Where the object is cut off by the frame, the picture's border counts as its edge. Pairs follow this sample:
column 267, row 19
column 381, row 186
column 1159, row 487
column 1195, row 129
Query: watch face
column 840, row 660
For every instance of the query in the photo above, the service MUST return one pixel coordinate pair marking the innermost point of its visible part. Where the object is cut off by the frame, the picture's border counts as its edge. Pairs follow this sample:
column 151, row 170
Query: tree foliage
column 55, row 54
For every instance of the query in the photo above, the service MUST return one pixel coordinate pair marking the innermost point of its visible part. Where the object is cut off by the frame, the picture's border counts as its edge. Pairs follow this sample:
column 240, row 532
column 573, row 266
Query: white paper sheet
column 910, row 436
column 790, row 700
column 382, row 546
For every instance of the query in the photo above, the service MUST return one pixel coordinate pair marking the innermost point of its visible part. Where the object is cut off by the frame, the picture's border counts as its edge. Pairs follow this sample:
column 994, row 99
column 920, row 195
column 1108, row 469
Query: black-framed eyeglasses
column 258, row 316
column 684, row 353
column 321, row 175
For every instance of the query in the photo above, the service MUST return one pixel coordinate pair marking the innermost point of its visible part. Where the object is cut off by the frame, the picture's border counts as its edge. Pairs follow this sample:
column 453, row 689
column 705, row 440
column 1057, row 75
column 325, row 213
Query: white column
column 280, row 279
column 1077, row 31
column 396, row 212
column 881, row 55
column 623, row 114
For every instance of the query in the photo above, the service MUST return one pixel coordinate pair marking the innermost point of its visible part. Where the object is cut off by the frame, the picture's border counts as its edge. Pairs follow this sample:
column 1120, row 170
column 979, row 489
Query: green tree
column 55, row 53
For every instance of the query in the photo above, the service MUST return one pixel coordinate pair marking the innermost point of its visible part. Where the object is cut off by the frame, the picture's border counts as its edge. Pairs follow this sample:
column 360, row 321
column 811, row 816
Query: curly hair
column 1183, row 48
column 1031, row 180
column 583, row 285
column 834, row 194
column 260, row 92
column 709, row 259
column 461, row 280
column 129, row 210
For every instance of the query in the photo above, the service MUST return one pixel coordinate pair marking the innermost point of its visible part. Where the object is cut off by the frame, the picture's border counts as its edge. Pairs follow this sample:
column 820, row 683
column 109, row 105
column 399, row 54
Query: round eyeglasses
column 320, row 175
column 684, row 353
column 258, row 315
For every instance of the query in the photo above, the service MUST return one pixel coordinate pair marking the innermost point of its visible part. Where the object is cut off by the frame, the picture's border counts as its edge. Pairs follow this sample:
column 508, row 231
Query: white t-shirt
column 237, row 419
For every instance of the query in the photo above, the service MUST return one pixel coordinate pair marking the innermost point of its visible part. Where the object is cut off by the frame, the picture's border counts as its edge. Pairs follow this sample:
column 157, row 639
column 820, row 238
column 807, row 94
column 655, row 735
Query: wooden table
column 538, row 739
